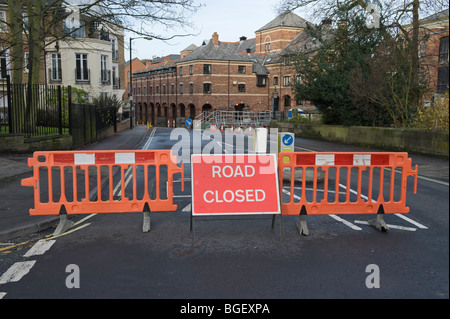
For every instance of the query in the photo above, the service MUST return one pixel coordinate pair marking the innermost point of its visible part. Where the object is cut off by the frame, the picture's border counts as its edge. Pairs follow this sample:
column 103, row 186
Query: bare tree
column 31, row 22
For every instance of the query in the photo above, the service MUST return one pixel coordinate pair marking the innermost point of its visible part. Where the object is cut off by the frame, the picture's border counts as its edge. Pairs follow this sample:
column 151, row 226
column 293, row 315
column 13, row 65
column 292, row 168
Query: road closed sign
column 234, row 184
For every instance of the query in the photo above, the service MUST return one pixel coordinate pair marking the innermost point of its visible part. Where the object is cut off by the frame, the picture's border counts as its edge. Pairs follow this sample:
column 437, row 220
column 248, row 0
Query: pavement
column 15, row 220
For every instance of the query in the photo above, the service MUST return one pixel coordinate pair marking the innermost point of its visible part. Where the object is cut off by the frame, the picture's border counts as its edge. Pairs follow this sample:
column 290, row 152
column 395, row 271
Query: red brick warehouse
column 249, row 74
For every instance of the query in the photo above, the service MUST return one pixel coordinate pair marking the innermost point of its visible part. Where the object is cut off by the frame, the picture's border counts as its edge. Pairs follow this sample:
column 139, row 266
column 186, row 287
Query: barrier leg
column 379, row 222
column 64, row 223
column 146, row 222
column 301, row 223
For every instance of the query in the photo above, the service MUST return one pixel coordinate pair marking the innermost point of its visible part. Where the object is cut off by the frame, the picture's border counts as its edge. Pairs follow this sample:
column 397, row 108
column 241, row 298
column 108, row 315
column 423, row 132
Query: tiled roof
column 288, row 19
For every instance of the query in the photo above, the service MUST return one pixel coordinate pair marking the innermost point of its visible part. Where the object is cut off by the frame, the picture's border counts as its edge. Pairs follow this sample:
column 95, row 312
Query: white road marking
column 187, row 208
column 39, row 248
column 411, row 221
column 17, row 271
column 398, row 215
column 345, row 222
column 389, row 225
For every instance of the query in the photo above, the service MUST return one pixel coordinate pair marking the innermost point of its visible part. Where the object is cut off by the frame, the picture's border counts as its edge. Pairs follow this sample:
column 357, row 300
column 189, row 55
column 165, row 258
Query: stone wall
column 418, row 141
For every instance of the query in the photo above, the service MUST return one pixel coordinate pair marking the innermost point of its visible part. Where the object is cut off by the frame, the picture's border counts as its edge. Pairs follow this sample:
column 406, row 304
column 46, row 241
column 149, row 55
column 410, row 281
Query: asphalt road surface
column 241, row 258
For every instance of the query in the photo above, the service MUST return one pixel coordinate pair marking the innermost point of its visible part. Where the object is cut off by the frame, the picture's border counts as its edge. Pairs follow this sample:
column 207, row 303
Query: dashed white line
column 411, row 221
column 17, row 271
column 398, row 215
column 388, row 225
column 39, row 248
column 345, row 222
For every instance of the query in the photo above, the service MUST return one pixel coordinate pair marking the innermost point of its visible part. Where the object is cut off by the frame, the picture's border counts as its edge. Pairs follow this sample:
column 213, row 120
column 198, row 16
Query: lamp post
column 131, row 77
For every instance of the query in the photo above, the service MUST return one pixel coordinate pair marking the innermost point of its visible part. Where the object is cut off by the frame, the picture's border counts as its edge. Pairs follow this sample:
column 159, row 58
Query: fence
column 351, row 172
column 63, row 181
column 47, row 110
column 236, row 118
column 34, row 110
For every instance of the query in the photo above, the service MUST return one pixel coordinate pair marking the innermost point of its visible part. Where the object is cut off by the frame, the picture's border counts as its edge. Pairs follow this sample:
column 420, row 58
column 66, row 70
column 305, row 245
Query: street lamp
column 131, row 78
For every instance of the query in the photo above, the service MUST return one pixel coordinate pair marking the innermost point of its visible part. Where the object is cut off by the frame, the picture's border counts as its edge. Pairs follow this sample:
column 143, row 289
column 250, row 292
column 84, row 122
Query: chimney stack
column 215, row 38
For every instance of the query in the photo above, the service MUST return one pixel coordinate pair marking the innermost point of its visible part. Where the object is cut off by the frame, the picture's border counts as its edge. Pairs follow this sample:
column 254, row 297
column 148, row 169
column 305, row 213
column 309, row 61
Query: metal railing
column 236, row 118
column 35, row 111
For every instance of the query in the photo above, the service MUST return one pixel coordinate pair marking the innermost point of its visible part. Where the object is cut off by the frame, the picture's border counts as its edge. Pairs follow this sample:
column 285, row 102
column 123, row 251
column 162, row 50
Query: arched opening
column 287, row 101
column 206, row 112
column 207, row 108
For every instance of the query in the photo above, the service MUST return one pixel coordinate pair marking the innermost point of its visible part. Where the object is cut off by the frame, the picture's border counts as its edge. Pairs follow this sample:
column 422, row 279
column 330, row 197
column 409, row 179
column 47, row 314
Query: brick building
column 248, row 74
column 434, row 54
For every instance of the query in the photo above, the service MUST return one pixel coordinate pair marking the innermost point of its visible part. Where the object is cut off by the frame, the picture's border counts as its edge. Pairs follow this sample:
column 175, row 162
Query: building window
column 241, row 69
column 181, row 71
column 443, row 50
column 442, row 84
column 157, row 89
column 207, row 88
column 275, row 80
column 172, row 89
column 81, row 64
column 241, row 88
column 206, row 68
column 73, row 32
column 105, row 76
column 151, row 90
column 164, row 89
column 3, row 21
column 3, row 64
column 261, row 80
column 181, row 88
column 26, row 56
column 191, row 69
column 191, row 88
column 115, row 51
column 287, row 100
column 422, row 49
column 55, row 67
column 443, row 81
column 286, row 80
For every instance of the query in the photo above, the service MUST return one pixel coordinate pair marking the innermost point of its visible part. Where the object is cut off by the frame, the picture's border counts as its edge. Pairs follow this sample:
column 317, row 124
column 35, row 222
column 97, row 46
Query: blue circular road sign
column 188, row 122
column 287, row 140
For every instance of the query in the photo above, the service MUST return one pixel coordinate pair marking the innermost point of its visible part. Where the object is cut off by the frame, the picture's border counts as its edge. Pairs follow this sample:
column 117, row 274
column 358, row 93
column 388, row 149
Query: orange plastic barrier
column 67, row 180
column 341, row 177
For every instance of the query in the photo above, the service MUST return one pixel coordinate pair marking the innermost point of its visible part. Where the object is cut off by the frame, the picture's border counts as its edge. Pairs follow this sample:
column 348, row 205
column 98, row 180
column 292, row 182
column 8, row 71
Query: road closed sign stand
column 234, row 184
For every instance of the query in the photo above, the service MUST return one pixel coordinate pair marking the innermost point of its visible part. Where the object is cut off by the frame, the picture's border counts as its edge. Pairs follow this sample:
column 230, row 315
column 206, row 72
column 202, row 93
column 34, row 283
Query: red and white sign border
column 278, row 212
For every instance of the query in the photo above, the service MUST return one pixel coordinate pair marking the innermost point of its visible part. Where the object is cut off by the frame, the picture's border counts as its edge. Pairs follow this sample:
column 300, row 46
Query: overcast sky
column 231, row 19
